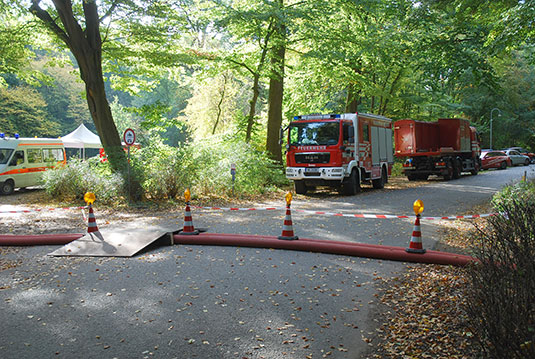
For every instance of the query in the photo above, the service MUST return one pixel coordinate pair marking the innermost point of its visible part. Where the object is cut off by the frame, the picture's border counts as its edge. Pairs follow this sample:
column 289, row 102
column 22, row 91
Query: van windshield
column 5, row 153
column 314, row 133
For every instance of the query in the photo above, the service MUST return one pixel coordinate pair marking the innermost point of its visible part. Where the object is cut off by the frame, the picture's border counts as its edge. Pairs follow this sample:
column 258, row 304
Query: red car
column 494, row 159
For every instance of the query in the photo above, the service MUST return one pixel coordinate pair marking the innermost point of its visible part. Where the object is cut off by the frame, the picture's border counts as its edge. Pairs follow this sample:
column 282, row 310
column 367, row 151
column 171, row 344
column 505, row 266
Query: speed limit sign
column 129, row 137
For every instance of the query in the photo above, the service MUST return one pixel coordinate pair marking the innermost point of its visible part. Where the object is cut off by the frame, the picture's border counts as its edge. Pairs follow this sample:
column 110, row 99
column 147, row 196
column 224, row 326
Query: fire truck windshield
column 314, row 133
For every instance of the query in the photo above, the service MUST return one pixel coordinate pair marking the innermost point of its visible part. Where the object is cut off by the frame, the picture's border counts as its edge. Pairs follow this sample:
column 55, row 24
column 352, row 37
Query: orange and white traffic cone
column 92, row 228
column 287, row 227
column 188, row 222
column 415, row 245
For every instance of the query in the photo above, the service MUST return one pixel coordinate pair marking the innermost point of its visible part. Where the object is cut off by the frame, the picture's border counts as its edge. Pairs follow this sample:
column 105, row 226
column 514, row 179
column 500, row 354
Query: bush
column 204, row 167
column 71, row 181
column 255, row 172
column 501, row 300
column 523, row 191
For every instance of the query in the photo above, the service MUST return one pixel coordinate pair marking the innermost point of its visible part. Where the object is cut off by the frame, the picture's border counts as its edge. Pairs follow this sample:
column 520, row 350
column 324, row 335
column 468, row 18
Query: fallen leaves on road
column 424, row 316
column 423, row 308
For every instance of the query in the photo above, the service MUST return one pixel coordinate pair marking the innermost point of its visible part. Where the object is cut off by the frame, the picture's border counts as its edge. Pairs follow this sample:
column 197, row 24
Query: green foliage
column 522, row 191
column 64, row 95
column 204, row 167
column 72, row 181
column 397, row 169
column 23, row 111
column 164, row 170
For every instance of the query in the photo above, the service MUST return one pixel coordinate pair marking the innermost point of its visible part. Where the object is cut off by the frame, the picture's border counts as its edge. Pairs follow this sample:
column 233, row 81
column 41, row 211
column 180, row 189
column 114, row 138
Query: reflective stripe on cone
column 287, row 227
column 415, row 246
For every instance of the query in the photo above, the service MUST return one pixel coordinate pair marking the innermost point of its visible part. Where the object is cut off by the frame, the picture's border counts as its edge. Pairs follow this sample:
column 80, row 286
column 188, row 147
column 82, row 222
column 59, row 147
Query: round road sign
column 129, row 137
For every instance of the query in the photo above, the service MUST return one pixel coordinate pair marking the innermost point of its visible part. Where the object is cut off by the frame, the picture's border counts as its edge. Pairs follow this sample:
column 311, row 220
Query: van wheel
column 7, row 187
column 300, row 187
column 380, row 182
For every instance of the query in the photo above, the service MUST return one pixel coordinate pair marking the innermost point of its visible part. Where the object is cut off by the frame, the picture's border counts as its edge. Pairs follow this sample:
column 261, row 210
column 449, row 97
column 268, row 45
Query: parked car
column 517, row 158
column 524, row 152
column 494, row 159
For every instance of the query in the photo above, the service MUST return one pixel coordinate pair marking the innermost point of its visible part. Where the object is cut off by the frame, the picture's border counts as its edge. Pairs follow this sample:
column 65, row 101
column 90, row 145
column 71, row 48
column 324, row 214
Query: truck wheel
column 477, row 167
column 449, row 175
column 300, row 187
column 7, row 187
column 379, row 182
column 422, row 177
column 352, row 184
column 456, row 169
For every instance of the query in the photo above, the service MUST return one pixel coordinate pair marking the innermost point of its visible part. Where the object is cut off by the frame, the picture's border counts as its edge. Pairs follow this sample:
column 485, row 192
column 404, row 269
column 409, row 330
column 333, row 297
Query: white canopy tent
column 81, row 138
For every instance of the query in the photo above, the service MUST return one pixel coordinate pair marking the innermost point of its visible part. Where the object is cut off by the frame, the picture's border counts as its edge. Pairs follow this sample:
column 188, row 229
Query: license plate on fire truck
column 312, row 170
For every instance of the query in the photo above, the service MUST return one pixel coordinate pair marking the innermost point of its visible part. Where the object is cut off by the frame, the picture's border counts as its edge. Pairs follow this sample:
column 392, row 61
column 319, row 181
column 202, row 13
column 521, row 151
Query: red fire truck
column 444, row 148
column 342, row 151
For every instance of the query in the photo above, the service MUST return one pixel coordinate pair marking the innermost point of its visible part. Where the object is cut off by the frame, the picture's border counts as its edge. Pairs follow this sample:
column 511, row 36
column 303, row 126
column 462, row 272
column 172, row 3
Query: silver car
column 517, row 159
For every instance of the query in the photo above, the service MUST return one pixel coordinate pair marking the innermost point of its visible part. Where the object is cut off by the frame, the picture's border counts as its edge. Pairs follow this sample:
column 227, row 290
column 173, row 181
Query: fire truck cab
column 339, row 150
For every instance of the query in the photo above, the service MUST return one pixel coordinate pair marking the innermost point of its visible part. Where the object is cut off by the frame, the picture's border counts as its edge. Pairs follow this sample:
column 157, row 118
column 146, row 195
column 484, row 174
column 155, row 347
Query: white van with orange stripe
column 23, row 160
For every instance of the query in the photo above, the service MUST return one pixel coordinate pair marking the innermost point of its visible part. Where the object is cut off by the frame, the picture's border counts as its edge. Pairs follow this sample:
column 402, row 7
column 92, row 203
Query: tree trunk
column 352, row 101
column 276, row 92
column 252, row 109
column 220, row 103
column 256, row 82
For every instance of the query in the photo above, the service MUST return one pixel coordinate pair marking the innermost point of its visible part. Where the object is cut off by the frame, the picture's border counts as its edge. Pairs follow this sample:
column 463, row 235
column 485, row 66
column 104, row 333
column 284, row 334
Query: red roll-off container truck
column 339, row 150
column 445, row 148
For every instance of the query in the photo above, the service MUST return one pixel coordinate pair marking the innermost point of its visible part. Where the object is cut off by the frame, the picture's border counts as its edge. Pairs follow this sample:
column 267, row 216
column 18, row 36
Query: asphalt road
column 225, row 302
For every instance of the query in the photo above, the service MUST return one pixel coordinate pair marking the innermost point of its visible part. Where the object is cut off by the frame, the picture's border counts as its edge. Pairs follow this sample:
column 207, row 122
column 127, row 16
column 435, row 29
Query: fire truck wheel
column 351, row 185
column 380, row 182
column 7, row 187
column 300, row 187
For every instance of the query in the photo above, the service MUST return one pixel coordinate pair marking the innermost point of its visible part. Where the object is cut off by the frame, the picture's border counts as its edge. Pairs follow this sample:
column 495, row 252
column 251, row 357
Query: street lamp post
column 499, row 114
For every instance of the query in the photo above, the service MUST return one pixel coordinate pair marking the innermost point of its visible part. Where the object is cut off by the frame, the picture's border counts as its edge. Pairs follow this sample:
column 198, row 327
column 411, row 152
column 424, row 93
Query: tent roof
column 81, row 138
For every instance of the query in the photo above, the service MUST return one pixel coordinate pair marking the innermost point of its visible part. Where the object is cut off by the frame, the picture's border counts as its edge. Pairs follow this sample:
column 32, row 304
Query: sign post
column 233, row 173
column 129, row 138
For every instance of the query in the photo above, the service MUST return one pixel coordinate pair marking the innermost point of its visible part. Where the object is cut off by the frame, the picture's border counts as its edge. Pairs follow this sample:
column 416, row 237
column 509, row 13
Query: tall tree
column 276, row 86
column 85, row 43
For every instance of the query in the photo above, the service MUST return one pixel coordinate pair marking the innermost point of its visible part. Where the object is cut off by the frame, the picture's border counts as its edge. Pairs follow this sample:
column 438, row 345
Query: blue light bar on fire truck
column 316, row 117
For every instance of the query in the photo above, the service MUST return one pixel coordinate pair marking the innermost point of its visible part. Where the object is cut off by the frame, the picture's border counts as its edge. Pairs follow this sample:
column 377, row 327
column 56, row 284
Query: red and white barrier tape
column 392, row 216
column 356, row 215
column 40, row 210
column 240, row 209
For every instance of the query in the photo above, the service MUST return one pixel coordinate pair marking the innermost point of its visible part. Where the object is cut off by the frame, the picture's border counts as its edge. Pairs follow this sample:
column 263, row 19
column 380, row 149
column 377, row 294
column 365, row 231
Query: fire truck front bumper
column 323, row 173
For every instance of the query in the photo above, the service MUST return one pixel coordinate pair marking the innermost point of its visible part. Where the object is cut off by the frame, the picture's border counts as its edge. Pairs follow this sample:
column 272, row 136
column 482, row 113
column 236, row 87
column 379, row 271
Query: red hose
column 325, row 246
column 38, row 239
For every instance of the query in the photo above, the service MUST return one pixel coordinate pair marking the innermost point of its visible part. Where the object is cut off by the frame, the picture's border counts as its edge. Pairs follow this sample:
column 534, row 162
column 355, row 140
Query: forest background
column 199, row 71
